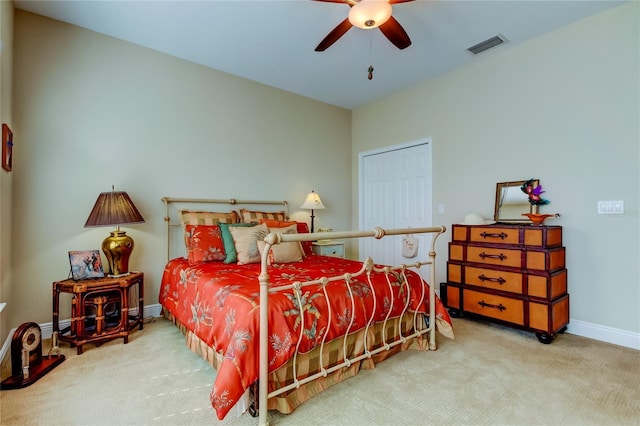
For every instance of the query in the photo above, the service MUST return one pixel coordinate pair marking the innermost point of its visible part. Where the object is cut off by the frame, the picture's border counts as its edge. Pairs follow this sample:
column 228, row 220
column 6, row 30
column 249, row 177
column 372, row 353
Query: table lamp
column 312, row 202
column 115, row 208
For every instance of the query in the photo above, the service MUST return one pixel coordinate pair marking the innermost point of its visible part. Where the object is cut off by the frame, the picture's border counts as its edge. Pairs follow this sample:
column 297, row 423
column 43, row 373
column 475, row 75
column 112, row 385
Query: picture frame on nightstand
column 85, row 264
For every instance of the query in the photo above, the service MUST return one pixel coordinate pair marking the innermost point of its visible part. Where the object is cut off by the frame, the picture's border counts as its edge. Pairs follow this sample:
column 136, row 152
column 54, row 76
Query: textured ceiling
column 272, row 42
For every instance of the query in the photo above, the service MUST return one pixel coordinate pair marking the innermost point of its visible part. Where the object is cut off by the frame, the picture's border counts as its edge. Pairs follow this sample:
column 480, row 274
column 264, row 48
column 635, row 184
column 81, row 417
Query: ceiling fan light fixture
column 368, row 14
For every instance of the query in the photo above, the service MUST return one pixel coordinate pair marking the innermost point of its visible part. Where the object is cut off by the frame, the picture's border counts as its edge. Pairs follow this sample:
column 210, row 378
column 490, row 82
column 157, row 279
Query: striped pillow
column 255, row 216
column 192, row 217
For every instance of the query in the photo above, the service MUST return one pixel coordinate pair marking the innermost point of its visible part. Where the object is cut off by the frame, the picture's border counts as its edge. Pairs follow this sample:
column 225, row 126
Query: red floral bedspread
column 220, row 304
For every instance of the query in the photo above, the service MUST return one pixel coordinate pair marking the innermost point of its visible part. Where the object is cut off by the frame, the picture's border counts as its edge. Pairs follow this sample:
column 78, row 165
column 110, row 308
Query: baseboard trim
column 602, row 333
column 47, row 328
column 149, row 311
column 615, row 336
column 606, row 334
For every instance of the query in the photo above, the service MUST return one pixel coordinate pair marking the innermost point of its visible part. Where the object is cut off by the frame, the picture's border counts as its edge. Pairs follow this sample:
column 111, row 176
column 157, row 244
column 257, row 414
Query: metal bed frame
column 420, row 328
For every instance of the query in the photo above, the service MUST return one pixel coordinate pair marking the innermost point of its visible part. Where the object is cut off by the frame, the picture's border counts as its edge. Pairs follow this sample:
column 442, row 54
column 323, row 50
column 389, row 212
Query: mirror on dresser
column 511, row 202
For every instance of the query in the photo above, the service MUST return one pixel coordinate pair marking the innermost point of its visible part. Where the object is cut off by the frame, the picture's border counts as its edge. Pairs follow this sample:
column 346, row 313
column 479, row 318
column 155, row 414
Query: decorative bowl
column 538, row 218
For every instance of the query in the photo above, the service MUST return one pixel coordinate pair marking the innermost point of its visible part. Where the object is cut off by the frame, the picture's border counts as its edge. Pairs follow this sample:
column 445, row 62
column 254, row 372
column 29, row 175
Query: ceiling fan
column 368, row 14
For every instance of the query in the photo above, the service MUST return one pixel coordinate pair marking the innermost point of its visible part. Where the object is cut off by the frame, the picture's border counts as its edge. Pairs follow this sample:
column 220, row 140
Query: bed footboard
column 420, row 328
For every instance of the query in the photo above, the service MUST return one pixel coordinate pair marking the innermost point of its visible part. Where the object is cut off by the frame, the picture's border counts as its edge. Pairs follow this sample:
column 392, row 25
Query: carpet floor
column 488, row 375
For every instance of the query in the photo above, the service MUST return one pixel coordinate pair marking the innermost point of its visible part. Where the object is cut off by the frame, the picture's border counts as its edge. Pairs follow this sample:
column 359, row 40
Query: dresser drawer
column 494, row 235
column 549, row 317
column 494, row 256
column 454, row 272
column 495, row 279
column 534, row 284
column 551, row 259
column 547, row 286
column 524, row 235
column 494, row 306
column 545, row 260
column 542, row 236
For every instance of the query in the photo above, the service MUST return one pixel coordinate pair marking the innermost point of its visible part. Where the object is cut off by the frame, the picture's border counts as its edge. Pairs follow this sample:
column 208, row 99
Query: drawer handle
column 501, row 235
column 493, row 256
column 499, row 307
column 498, row 280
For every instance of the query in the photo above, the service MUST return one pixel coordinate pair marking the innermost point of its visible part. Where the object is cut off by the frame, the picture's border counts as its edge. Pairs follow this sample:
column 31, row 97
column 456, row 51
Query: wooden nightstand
column 99, row 309
column 328, row 248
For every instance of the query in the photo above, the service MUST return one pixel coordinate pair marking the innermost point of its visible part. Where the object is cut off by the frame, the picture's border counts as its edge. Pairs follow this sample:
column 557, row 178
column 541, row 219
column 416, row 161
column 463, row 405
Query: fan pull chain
column 370, row 70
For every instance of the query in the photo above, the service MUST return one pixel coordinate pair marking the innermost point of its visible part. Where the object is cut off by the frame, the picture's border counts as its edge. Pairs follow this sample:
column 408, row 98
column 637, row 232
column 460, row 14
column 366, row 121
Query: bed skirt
column 309, row 363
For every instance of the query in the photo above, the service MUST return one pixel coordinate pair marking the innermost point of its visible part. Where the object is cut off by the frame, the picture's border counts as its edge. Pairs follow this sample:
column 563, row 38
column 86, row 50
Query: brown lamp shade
column 113, row 208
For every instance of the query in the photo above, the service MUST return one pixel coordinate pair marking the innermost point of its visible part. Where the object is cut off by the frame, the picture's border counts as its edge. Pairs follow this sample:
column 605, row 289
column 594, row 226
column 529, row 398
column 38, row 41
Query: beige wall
column 93, row 111
column 6, row 67
column 563, row 108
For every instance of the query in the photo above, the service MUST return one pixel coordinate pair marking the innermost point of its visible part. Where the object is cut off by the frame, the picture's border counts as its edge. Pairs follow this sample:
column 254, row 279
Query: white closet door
column 378, row 207
column 395, row 192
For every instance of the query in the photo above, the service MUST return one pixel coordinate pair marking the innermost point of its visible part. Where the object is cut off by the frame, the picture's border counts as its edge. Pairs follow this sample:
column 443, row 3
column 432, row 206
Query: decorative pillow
column 284, row 252
column 255, row 216
column 277, row 223
column 307, row 246
column 245, row 240
column 192, row 217
column 227, row 239
column 204, row 243
column 301, row 227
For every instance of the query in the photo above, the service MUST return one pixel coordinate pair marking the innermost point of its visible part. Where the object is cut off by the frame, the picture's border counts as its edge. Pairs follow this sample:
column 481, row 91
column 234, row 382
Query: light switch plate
column 611, row 207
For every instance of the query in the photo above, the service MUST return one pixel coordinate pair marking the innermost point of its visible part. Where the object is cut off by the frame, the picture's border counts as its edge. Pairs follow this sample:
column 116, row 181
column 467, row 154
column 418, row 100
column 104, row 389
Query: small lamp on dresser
column 115, row 208
column 312, row 202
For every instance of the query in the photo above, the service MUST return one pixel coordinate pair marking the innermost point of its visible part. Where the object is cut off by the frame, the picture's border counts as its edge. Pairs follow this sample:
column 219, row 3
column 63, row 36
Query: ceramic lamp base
column 117, row 247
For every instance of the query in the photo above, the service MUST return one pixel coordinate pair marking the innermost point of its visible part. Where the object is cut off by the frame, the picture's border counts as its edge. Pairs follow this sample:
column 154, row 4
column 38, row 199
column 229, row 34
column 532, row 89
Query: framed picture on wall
column 85, row 264
column 7, row 147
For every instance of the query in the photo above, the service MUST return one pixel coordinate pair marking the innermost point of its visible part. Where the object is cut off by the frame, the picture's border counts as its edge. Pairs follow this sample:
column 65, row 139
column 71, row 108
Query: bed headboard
column 173, row 206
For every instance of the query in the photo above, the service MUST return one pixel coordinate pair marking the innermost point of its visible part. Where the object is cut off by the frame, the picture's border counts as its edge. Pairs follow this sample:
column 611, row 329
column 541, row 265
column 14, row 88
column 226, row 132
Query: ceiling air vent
column 487, row 44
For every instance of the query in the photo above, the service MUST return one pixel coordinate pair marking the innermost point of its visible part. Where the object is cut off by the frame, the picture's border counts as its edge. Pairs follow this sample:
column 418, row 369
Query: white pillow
column 284, row 252
column 245, row 240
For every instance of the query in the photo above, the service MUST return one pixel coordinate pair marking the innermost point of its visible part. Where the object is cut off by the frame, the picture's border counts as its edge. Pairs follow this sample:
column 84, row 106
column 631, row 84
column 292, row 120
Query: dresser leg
column 455, row 313
column 545, row 338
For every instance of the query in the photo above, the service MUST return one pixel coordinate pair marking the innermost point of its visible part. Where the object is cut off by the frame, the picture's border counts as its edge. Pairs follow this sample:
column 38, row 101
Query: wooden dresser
column 513, row 274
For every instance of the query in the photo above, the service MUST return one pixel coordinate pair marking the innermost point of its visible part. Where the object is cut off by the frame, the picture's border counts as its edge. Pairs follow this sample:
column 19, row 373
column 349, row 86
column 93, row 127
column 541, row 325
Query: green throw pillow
column 227, row 240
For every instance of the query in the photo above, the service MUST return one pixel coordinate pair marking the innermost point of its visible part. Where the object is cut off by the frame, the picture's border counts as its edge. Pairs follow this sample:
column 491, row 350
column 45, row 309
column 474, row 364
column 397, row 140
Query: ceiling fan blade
column 395, row 33
column 334, row 35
